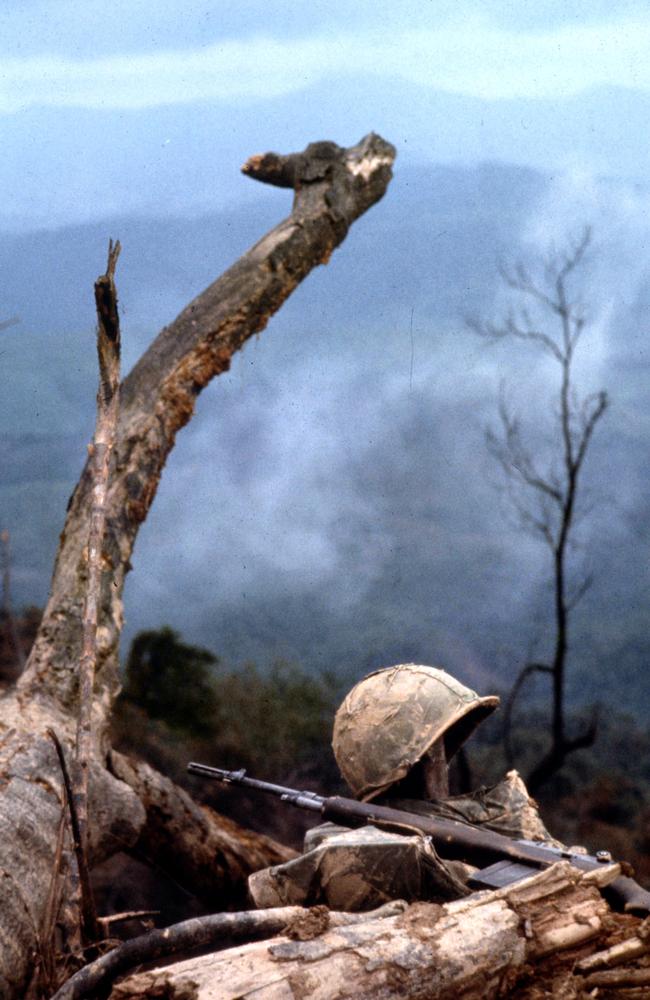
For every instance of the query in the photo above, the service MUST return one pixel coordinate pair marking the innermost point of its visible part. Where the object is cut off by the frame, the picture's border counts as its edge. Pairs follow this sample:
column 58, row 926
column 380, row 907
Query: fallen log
column 218, row 930
column 477, row 948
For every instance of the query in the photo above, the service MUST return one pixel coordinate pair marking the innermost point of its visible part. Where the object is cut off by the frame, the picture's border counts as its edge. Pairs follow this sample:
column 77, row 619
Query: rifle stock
column 508, row 860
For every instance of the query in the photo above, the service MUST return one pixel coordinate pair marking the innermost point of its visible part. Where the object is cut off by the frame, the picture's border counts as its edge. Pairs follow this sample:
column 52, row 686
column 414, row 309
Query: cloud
column 616, row 269
column 473, row 58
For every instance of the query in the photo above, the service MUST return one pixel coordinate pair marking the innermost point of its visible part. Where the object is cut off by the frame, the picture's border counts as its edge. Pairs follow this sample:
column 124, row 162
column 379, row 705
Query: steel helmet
column 392, row 717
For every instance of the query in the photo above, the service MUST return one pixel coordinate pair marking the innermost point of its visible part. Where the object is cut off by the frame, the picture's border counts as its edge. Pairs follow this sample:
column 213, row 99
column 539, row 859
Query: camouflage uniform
column 383, row 728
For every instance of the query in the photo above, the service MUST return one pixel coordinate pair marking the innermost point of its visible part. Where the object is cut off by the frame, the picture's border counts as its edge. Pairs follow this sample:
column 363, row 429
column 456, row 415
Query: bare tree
column 545, row 493
column 131, row 806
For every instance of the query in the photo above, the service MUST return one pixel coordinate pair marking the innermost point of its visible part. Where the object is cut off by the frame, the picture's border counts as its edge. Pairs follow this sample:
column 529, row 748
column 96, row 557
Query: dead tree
column 129, row 803
column 545, row 497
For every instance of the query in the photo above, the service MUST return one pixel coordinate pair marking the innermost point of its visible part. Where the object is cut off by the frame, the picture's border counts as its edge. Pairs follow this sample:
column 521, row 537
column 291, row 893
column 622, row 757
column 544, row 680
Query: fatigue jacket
column 363, row 868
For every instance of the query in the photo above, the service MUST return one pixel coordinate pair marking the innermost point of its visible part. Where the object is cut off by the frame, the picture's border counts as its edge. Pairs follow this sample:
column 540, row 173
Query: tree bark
column 333, row 187
column 218, row 930
column 477, row 948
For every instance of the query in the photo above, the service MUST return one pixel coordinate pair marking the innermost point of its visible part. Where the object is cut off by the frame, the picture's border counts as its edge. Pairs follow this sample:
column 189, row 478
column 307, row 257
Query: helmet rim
column 392, row 717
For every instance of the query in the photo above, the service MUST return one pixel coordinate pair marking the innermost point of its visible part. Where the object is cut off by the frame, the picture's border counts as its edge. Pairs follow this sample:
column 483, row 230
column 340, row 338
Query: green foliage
column 171, row 681
column 179, row 702
column 275, row 722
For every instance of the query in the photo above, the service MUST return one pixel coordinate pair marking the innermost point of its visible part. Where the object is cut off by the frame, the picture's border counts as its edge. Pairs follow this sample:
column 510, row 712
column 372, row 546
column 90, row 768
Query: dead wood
column 476, row 948
column 545, row 495
column 83, row 928
column 617, row 979
column 108, row 351
column 218, row 930
column 100, row 451
column 621, row 952
column 333, row 187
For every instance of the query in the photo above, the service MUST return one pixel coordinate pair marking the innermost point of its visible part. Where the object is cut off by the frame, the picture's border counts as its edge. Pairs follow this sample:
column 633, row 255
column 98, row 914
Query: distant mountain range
column 70, row 164
column 333, row 502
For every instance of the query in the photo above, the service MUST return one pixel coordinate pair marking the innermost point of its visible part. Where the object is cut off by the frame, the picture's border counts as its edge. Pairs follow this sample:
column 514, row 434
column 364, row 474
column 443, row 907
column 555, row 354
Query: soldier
column 394, row 736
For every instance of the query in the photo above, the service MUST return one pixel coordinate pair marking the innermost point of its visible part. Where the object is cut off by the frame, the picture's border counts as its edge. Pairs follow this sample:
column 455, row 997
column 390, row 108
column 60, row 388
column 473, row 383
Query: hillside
column 333, row 503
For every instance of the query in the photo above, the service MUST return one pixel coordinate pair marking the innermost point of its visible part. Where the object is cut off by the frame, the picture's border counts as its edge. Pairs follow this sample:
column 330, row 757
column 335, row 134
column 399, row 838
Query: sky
column 59, row 53
column 114, row 125
column 105, row 117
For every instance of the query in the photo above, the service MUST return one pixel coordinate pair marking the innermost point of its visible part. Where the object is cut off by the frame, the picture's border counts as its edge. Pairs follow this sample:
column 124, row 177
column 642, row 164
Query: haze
column 332, row 502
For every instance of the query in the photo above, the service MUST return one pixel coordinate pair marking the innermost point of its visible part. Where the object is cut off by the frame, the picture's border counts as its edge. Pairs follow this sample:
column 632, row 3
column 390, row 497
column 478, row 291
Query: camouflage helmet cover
column 392, row 717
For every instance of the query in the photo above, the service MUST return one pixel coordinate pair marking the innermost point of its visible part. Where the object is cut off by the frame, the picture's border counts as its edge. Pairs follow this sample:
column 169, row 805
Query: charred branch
column 333, row 186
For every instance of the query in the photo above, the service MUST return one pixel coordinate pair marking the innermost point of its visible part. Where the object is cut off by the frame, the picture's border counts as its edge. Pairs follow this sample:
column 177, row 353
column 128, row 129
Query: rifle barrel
column 307, row 800
column 452, row 838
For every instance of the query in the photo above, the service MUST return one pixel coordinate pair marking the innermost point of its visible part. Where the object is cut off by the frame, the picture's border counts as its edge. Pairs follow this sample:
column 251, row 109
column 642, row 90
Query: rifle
column 506, row 860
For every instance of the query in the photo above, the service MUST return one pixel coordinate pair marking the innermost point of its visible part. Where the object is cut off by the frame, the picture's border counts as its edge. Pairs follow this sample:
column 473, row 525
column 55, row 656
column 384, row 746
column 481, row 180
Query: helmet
column 392, row 717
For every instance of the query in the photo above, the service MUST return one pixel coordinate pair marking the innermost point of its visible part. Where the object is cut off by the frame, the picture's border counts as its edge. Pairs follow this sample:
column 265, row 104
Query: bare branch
column 526, row 330
column 108, row 351
column 218, row 930
column 580, row 592
column 578, row 323
column 600, row 403
column 513, row 329
column 515, row 460
column 87, row 917
column 119, row 918
column 546, row 501
column 520, row 280
column 538, row 524
column 333, row 187
column 575, row 255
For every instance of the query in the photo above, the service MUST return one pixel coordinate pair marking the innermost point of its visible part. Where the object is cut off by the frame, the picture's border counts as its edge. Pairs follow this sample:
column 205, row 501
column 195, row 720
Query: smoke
column 333, row 501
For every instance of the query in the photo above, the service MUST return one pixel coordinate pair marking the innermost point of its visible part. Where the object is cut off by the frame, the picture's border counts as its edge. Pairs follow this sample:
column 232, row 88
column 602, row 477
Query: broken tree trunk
column 333, row 187
column 479, row 947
